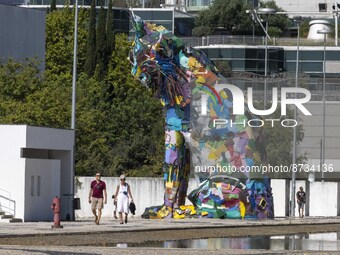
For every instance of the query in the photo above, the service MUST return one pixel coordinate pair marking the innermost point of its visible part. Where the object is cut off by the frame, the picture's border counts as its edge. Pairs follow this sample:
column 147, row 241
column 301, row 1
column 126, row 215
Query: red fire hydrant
column 56, row 210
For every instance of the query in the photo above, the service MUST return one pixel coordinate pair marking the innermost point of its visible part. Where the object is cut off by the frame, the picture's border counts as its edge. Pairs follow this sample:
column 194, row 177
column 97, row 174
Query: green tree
column 90, row 61
column 27, row 97
column 133, row 3
column 153, row 4
column 277, row 23
column 53, row 5
column 138, row 138
column 59, row 41
column 120, row 3
column 202, row 31
column 231, row 15
column 110, row 30
column 119, row 123
column 279, row 140
column 101, row 44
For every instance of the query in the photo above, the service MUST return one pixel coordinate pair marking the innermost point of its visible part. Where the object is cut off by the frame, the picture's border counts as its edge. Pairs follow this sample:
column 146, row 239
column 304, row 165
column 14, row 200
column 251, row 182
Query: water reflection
column 316, row 242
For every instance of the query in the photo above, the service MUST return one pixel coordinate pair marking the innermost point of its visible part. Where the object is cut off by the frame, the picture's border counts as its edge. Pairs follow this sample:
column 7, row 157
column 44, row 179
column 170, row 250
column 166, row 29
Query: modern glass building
column 198, row 5
column 62, row 2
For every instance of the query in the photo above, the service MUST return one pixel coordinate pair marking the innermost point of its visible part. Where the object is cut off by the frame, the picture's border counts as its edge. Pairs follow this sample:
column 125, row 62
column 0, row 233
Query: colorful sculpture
column 180, row 77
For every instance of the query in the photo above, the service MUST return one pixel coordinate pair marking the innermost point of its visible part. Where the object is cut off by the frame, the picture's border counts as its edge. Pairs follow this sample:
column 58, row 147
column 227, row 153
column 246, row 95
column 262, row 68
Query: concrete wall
column 324, row 199
column 22, row 33
column 12, row 170
column 36, row 166
column 312, row 125
column 149, row 192
column 304, row 6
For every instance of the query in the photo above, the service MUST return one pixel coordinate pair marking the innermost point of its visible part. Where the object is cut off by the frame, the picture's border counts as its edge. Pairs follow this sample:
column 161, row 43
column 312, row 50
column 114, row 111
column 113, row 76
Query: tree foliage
column 119, row 125
column 110, row 30
column 101, row 45
column 53, row 5
column 231, row 15
column 60, row 38
column 90, row 61
column 276, row 23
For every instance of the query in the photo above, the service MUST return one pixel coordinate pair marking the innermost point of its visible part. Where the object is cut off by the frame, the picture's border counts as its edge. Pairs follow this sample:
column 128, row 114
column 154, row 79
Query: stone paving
column 82, row 226
column 136, row 224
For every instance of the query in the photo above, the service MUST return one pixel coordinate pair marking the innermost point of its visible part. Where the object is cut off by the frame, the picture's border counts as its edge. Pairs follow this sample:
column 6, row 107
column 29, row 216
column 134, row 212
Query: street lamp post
column 293, row 187
column 74, row 74
column 74, row 81
column 324, row 32
column 266, row 11
column 336, row 8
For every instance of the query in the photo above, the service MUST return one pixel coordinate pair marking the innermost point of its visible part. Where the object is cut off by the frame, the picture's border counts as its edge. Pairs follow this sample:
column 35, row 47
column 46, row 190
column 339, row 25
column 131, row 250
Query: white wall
column 12, row 166
column 39, row 196
column 304, row 6
column 324, row 199
column 145, row 191
column 37, row 151
column 279, row 194
column 149, row 192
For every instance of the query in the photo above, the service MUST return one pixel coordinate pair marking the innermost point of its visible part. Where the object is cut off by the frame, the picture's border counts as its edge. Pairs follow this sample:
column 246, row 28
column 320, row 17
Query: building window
column 322, row 7
column 32, row 185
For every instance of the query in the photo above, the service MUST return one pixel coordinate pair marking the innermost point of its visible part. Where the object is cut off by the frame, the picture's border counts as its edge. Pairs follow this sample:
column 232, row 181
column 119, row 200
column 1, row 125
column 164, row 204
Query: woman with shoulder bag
column 123, row 193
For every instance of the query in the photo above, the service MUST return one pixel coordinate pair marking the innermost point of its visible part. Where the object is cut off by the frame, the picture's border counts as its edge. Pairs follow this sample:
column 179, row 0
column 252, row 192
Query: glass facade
column 200, row 2
column 63, row 2
column 249, row 59
column 160, row 17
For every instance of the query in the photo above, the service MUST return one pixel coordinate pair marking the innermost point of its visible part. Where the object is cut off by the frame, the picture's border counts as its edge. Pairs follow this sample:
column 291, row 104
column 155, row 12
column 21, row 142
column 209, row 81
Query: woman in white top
column 123, row 193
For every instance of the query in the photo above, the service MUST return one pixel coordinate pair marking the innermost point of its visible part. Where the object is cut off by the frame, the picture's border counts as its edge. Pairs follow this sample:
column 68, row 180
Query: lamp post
column 266, row 11
column 293, row 187
column 74, row 74
column 336, row 8
column 324, row 32
column 74, row 81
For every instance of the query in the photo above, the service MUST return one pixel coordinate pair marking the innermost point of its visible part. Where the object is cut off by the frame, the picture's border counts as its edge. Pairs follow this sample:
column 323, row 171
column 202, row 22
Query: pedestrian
column 114, row 207
column 97, row 197
column 301, row 200
column 123, row 193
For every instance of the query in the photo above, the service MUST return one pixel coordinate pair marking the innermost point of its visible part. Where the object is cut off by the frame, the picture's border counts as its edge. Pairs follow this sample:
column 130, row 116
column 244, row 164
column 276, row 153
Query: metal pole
column 74, row 74
column 292, row 213
column 336, row 29
column 253, row 20
column 74, row 81
column 324, row 107
column 336, row 23
column 265, row 65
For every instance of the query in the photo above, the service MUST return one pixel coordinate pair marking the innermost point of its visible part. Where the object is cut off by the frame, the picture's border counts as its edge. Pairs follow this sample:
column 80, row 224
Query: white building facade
column 36, row 166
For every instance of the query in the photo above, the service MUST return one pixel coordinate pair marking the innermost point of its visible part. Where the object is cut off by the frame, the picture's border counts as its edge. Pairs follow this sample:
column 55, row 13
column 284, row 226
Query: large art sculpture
column 186, row 81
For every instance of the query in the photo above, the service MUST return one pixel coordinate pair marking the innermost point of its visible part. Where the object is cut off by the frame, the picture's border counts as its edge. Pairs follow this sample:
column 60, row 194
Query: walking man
column 97, row 197
column 301, row 200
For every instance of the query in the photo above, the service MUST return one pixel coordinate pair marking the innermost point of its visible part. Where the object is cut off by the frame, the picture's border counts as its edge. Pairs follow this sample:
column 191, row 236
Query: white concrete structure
column 324, row 196
column 312, row 126
column 146, row 191
column 36, row 166
column 319, row 24
column 309, row 7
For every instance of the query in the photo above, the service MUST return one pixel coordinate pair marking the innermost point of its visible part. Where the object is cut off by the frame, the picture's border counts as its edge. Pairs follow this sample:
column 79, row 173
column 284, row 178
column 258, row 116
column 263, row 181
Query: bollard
column 56, row 210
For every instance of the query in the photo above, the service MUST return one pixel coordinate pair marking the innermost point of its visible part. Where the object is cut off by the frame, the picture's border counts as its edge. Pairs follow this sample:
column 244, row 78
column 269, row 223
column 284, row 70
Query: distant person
column 97, row 197
column 301, row 200
column 123, row 193
column 114, row 207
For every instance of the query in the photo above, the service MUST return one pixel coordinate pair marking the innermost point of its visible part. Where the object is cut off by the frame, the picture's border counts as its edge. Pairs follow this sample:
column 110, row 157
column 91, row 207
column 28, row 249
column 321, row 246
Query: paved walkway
column 108, row 227
column 82, row 226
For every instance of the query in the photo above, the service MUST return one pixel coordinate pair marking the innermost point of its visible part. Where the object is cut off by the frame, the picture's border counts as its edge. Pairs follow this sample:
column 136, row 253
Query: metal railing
column 7, row 205
column 250, row 40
